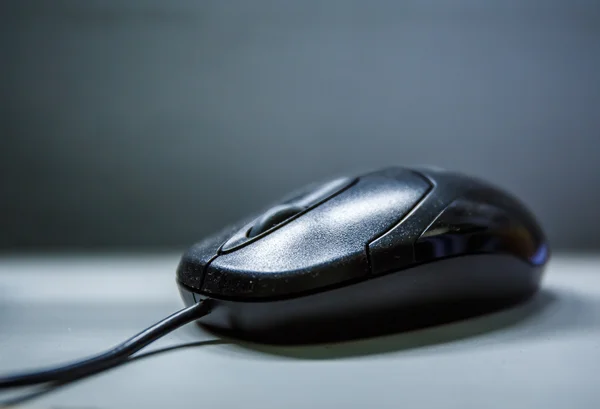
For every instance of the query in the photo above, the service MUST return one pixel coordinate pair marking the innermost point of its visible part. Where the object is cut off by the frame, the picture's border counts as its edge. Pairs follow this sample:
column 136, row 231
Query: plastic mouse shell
column 403, row 204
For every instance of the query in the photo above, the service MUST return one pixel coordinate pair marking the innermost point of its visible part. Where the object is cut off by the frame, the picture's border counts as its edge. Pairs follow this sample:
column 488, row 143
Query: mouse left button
column 190, row 271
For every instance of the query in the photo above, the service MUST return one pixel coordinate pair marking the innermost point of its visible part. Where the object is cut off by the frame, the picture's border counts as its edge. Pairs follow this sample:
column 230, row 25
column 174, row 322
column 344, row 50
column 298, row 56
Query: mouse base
column 422, row 296
column 391, row 322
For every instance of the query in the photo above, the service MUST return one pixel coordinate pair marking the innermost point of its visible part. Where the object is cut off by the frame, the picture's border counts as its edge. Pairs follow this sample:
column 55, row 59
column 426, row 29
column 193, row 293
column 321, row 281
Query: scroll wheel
column 273, row 217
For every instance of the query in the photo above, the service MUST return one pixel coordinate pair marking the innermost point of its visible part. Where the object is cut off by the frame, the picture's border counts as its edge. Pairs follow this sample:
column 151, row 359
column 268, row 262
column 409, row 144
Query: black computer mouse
column 388, row 250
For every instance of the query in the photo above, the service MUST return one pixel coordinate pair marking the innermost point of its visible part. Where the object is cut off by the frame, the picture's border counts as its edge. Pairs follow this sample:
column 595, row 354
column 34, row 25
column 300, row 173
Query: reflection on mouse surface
column 384, row 251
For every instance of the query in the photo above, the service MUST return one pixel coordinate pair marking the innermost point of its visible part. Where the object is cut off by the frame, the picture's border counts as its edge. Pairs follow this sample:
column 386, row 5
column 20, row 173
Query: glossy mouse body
column 388, row 250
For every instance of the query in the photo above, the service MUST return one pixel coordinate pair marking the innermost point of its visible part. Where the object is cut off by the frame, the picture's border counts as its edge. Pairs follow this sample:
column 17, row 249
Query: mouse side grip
column 503, row 225
column 472, row 227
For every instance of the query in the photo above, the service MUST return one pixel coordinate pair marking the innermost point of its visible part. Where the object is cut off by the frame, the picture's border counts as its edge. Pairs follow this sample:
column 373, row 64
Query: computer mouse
column 386, row 250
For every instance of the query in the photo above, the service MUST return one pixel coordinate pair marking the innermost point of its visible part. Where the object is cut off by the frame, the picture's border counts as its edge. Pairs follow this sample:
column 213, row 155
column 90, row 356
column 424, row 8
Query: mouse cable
column 112, row 357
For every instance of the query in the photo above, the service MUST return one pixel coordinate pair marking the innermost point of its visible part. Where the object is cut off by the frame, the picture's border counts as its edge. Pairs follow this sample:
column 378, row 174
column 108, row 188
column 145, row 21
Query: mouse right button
column 394, row 249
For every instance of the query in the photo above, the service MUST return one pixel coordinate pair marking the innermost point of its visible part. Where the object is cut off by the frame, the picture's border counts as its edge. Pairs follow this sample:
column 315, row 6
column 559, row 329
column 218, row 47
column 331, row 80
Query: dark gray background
column 153, row 123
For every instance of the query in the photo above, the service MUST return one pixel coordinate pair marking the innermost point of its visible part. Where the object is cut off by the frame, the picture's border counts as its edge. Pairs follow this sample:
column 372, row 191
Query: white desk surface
column 545, row 354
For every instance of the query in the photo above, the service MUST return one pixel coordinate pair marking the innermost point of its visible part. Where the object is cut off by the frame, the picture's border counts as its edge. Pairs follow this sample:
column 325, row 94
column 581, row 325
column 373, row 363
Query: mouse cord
column 112, row 357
